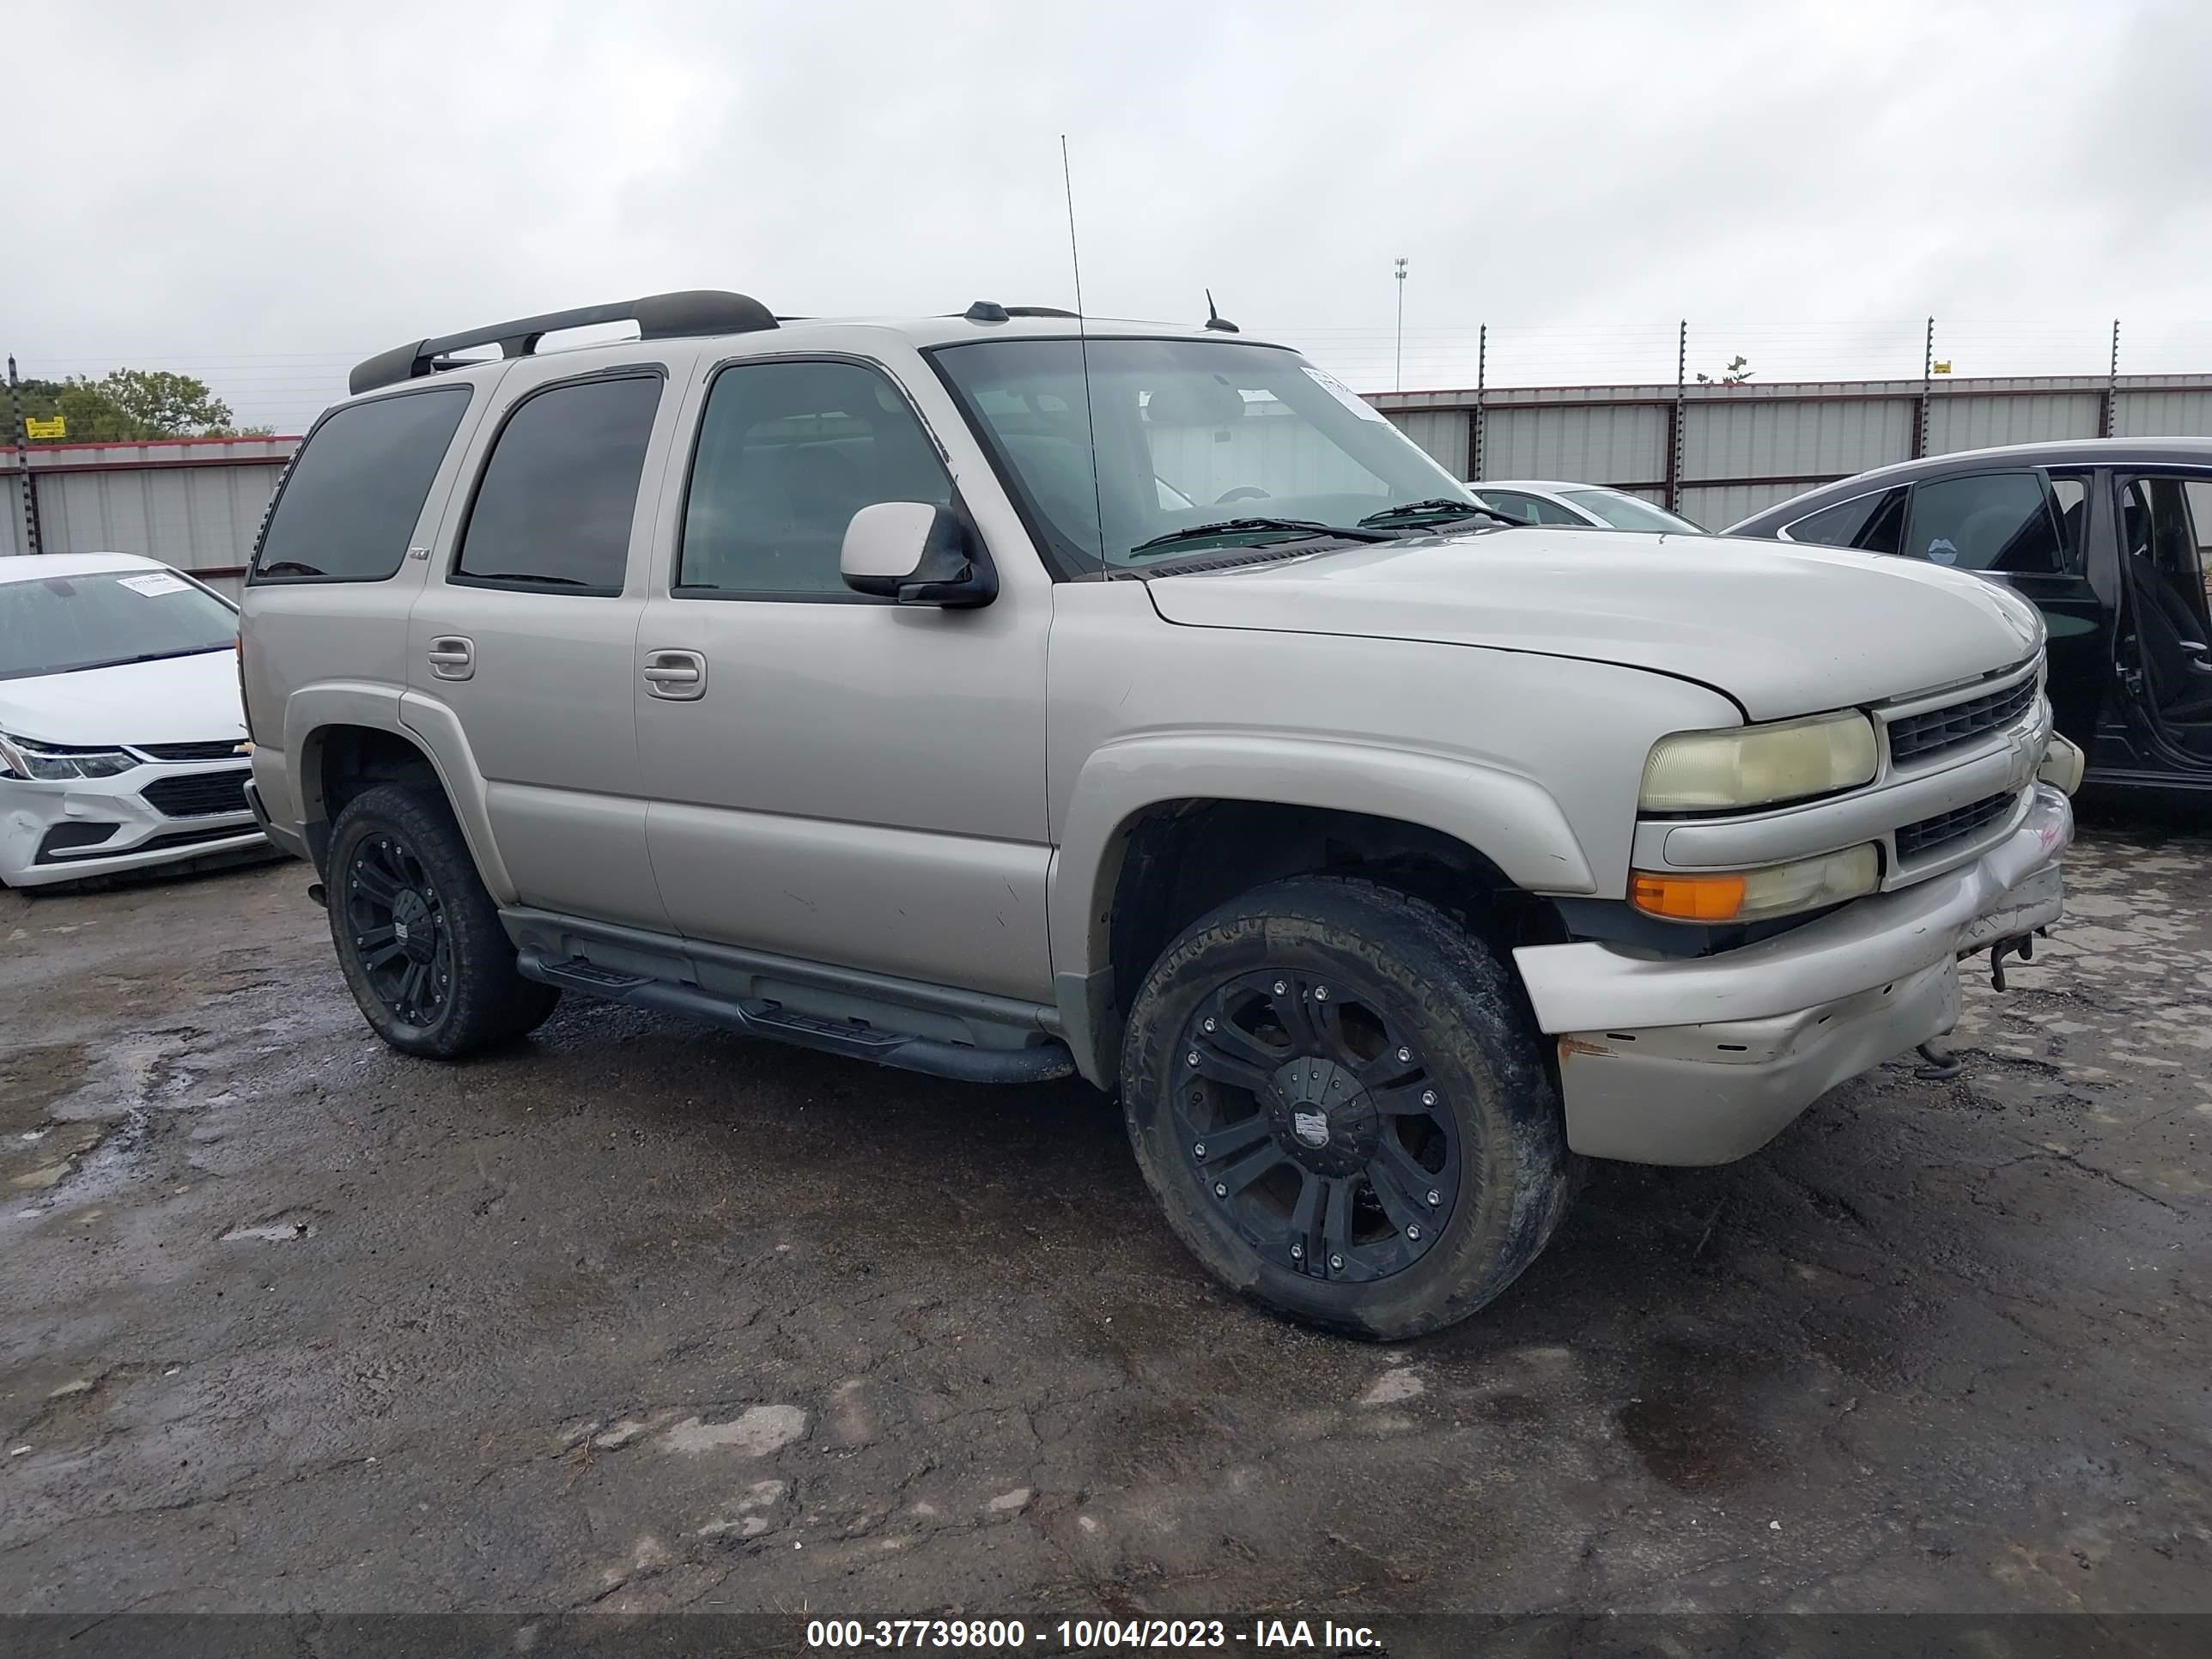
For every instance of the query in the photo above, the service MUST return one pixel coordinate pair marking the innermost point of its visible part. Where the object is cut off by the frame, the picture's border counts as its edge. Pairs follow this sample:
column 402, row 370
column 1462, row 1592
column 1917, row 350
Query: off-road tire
column 1474, row 1040
column 482, row 1001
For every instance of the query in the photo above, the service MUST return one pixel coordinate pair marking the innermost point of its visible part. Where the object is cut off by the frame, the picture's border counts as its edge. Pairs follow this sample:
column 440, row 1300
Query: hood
column 1782, row 629
column 177, row 700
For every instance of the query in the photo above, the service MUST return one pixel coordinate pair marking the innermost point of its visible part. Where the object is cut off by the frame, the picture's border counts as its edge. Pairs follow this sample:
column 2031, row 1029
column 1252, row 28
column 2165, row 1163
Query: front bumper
column 42, row 826
column 1669, row 1060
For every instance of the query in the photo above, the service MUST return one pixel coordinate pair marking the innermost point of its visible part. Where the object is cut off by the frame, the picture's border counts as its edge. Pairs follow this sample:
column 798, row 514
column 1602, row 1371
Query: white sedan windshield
column 59, row 624
column 1626, row 512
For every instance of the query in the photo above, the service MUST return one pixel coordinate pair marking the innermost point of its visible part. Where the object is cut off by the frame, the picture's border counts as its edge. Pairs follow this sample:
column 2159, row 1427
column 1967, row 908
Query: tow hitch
column 1939, row 1063
column 2020, row 944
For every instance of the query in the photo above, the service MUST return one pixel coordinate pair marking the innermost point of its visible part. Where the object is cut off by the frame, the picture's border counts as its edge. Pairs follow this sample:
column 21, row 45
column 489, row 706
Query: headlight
column 1780, row 890
column 1757, row 765
column 20, row 757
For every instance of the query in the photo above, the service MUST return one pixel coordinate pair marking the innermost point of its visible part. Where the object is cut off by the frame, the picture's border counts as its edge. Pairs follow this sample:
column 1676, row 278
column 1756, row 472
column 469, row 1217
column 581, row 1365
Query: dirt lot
column 644, row 1316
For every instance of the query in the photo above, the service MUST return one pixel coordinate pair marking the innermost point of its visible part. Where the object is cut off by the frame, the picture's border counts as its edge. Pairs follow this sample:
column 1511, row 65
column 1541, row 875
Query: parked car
column 1548, row 501
column 854, row 684
column 121, row 740
column 2107, row 536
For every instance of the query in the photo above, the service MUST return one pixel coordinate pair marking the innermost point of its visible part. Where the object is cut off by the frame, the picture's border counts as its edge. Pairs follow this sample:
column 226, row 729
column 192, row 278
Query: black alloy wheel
column 398, row 925
column 1317, row 1126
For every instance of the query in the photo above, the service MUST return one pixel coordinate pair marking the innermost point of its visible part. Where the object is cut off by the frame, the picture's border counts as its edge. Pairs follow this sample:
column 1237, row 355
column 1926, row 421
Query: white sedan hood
column 1782, row 628
column 176, row 700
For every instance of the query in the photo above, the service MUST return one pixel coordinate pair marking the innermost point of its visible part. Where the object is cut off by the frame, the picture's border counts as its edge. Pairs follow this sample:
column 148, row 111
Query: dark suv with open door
column 2108, row 536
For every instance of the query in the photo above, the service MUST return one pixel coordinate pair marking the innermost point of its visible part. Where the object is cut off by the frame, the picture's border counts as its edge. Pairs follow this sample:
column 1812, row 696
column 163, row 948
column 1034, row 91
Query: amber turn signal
column 1778, row 890
column 1689, row 898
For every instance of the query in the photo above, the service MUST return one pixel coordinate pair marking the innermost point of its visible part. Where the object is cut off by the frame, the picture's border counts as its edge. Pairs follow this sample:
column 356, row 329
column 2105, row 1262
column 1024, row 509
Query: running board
column 1040, row 1062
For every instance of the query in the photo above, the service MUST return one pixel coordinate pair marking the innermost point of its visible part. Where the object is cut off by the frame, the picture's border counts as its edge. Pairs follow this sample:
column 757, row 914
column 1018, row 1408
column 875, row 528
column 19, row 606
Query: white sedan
column 1548, row 501
column 122, row 742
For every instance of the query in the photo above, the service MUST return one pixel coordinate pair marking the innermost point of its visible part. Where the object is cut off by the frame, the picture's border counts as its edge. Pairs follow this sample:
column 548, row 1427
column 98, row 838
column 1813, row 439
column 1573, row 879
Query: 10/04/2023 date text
column 1084, row 1635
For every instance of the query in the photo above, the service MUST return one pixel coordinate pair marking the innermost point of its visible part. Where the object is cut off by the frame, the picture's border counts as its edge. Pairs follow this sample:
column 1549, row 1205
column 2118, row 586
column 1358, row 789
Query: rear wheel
column 418, row 938
column 1339, row 1101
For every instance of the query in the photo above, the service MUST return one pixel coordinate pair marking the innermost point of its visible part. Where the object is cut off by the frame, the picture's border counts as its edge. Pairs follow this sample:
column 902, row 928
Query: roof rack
column 681, row 315
column 990, row 311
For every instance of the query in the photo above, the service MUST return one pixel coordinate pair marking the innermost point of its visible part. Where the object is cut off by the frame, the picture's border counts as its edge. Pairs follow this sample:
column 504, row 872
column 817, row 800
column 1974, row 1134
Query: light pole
column 1398, row 378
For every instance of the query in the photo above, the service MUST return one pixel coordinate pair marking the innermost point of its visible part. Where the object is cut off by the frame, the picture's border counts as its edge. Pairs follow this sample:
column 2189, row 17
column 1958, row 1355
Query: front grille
column 199, row 794
column 1932, row 835
column 1918, row 736
column 71, row 837
column 222, row 749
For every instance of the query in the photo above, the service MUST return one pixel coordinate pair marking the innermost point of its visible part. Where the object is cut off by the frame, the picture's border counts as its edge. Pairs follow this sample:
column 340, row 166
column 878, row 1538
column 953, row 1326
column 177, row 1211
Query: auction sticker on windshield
column 1345, row 395
column 155, row 586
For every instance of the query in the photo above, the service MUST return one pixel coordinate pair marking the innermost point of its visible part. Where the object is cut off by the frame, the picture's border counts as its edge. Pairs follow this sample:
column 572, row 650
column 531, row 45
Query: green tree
column 1738, row 371
column 132, row 405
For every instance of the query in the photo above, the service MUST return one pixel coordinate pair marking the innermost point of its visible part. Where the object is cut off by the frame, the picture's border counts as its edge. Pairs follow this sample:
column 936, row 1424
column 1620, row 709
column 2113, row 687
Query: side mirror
column 917, row 554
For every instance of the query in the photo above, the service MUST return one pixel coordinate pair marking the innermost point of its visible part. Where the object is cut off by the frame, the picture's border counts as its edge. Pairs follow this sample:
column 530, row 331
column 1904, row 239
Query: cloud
column 273, row 190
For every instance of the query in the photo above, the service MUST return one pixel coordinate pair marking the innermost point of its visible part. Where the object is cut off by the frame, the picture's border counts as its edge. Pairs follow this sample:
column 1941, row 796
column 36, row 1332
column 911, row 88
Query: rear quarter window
column 1872, row 523
column 351, row 502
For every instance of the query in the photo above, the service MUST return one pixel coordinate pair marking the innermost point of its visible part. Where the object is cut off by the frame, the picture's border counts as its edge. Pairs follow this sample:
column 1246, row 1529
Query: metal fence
column 195, row 503
column 1718, row 453
column 1715, row 452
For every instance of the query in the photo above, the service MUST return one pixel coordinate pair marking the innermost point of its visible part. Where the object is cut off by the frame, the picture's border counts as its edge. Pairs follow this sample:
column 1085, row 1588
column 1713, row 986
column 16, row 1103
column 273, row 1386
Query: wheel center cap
column 412, row 929
column 1321, row 1114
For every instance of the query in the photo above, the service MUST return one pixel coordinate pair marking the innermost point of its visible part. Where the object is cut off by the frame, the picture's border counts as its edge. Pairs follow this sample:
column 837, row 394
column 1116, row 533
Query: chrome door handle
column 452, row 658
column 676, row 675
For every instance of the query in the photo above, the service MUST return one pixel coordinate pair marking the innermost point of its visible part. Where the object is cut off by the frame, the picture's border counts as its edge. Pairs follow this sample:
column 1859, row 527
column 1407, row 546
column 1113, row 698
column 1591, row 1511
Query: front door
column 834, row 777
column 524, row 637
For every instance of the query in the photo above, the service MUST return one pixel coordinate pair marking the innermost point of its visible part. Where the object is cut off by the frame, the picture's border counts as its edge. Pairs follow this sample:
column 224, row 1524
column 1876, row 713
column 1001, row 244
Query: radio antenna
column 1083, row 345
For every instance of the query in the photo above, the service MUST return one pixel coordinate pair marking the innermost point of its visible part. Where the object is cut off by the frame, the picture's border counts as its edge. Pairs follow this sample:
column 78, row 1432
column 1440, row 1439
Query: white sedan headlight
column 20, row 757
column 1758, row 765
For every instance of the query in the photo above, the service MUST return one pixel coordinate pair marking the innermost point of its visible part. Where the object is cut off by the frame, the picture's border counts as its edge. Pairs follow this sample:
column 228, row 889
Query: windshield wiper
column 1438, row 508
column 163, row 656
column 1236, row 526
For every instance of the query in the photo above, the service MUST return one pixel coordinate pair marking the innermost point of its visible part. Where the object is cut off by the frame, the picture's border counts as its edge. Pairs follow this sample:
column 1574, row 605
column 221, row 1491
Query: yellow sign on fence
column 57, row 427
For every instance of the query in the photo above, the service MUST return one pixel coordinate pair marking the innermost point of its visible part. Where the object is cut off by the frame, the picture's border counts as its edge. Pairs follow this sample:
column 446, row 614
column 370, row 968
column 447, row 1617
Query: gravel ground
column 642, row 1316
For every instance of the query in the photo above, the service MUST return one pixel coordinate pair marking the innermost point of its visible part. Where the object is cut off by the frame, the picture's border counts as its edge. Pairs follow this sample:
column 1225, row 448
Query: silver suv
column 1002, row 695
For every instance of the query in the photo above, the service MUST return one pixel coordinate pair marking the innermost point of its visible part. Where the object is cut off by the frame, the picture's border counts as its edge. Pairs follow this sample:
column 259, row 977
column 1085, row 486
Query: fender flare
column 1509, row 819
column 426, row 726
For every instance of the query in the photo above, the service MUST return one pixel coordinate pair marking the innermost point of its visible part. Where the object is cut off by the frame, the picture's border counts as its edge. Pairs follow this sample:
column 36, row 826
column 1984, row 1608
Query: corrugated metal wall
column 1745, row 448
column 196, row 504
column 193, row 503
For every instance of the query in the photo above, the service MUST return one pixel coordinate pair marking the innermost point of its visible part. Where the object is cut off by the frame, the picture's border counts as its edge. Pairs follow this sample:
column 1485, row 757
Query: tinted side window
column 1870, row 522
column 558, row 496
column 789, row 452
column 1990, row 521
column 1527, row 509
column 351, row 502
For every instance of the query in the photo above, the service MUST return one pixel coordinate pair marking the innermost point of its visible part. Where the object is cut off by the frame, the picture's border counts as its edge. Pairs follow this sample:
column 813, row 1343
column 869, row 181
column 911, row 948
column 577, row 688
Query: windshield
column 1627, row 512
column 57, row 624
column 1237, row 431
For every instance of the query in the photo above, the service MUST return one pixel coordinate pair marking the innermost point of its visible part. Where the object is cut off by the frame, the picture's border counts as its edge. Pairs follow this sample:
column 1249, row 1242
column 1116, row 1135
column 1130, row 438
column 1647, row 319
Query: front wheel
column 1339, row 1101
column 418, row 938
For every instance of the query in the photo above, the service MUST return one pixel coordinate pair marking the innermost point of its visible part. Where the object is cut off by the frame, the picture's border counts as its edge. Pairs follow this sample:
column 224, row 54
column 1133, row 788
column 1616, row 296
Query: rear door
column 524, row 639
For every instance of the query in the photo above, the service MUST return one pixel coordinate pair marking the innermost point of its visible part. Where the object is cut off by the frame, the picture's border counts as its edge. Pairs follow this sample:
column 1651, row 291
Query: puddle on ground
column 1692, row 1421
column 31, row 1080
column 281, row 1229
column 35, row 1159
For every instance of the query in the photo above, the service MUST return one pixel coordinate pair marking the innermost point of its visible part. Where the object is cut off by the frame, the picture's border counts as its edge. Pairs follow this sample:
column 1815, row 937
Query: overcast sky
column 265, row 192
